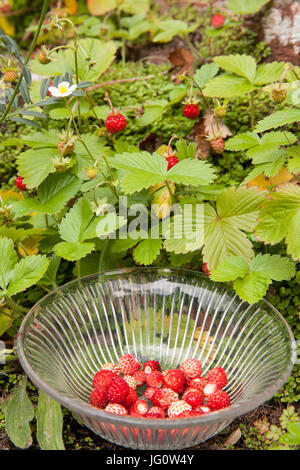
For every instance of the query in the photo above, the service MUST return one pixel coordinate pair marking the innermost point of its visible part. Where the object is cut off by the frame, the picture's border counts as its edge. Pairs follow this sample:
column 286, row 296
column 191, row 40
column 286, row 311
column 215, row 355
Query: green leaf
column 59, row 113
column 273, row 267
column 152, row 112
column 72, row 251
column 26, row 273
column 192, row 172
column 205, row 73
column 52, row 195
column 252, row 287
column 135, row 8
column 8, row 259
column 36, row 165
column 76, row 221
column 280, row 219
column 269, row 73
column 228, row 86
column 49, row 423
column 241, row 65
column 242, row 142
column 230, row 269
column 185, row 150
column 147, row 251
column 96, row 146
column 245, row 7
column 171, row 28
column 236, row 212
column 278, row 119
column 18, row 412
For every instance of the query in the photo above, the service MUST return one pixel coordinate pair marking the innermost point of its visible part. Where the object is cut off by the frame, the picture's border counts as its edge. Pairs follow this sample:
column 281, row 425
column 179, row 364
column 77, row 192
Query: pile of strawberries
column 174, row 393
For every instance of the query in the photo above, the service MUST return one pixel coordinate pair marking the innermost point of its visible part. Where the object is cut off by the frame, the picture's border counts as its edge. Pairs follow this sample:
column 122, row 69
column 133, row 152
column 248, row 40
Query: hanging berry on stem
column 115, row 121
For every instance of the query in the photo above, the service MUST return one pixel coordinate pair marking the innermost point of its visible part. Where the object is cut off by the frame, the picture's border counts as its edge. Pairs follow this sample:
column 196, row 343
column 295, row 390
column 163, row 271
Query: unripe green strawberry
column 92, row 173
column 220, row 111
column 279, row 95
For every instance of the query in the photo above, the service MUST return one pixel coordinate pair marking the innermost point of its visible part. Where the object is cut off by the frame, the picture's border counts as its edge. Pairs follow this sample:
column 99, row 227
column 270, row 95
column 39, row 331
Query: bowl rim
column 85, row 409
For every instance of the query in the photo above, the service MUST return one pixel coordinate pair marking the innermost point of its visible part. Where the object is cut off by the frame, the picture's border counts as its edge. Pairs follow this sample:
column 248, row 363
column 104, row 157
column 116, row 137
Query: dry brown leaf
column 203, row 147
column 10, row 194
column 262, row 183
column 30, row 246
column 182, row 59
column 234, row 437
column 213, row 128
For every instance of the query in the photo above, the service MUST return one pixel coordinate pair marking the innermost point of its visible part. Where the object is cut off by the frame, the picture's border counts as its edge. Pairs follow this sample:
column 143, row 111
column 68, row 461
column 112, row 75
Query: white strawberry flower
column 63, row 89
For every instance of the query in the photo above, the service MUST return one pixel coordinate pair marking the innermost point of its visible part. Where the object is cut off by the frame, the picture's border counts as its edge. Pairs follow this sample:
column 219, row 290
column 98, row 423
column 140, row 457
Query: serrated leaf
column 96, row 146
column 151, row 113
column 35, row 166
column 230, row 269
column 205, row 73
column 242, row 142
column 18, row 412
column 76, row 221
column 274, row 267
column 228, row 86
column 146, row 251
column 245, row 7
column 8, row 259
column 49, row 277
column 59, row 113
column 49, row 423
column 280, row 219
column 185, row 150
column 73, row 251
column 269, row 73
column 278, row 119
column 192, row 172
column 252, row 287
column 26, row 273
column 241, row 65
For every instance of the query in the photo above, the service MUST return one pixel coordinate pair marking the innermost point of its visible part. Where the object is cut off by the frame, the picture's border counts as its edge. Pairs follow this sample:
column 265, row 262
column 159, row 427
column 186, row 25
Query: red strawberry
column 193, row 397
column 191, row 368
column 140, row 377
column 150, row 366
column 156, row 412
column 175, row 380
column 217, row 376
column 149, row 392
column 115, row 122
column 103, row 378
column 140, row 408
column 117, row 390
column 116, row 409
column 205, row 269
column 172, row 161
column 130, row 380
column 189, row 414
column 164, row 397
column 111, row 366
column 218, row 400
column 209, row 389
column 49, row 92
column 98, row 397
column 155, row 379
column 178, row 407
column 202, row 409
column 217, row 21
column 19, row 183
column 131, row 398
column 191, row 111
column 198, row 383
column 218, row 145
column 128, row 364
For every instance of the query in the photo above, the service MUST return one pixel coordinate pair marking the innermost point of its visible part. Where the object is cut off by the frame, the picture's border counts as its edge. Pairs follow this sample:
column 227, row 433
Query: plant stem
column 15, row 307
column 43, row 13
column 252, row 110
column 122, row 80
column 170, row 192
column 192, row 48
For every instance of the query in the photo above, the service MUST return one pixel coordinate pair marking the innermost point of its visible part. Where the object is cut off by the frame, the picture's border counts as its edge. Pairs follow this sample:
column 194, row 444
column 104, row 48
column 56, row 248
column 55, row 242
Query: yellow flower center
column 62, row 89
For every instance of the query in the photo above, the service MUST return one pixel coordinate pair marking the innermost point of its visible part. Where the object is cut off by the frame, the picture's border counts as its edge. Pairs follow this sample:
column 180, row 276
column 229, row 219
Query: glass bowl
column 155, row 313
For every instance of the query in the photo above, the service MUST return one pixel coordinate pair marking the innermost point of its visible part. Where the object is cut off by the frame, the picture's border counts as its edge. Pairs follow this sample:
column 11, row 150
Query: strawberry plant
column 117, row 163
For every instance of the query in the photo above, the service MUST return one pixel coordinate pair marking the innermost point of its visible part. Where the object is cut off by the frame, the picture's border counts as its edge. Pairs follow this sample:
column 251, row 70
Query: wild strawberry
column 155, row 379
column 175, row 380
column 98, row 397
column 279, row 95
column 103, row 378
column 218, row 145
column 201, row 410
column 149, row 392
column 172, row 161
column 217, row 21
column 140, row 408
column 178, row 407
column 198, row 383
column 10, row 75
column 49, row 92
column 115, row 122
column 209, row 389
column 116, row 409
column 191, row 111
column 191, row 368
column 130, row 380
column 218, row 400
column 43, row 56
column 193, row 397
column 92, row 173
column 205, row 269
column 188, row 414
column 65, row 148
column 217, row 376
column 128, row 364
column 150, row 366
column 140, row 377
column 130, row 399
column 164, row 397
column 117, row 390
column 111, row 366
column 156, row 412
column 19, row 183
column 220, row 111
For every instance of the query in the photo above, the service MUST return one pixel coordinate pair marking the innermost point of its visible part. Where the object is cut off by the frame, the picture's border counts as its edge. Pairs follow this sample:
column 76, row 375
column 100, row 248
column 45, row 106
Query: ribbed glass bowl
column 163, row 314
